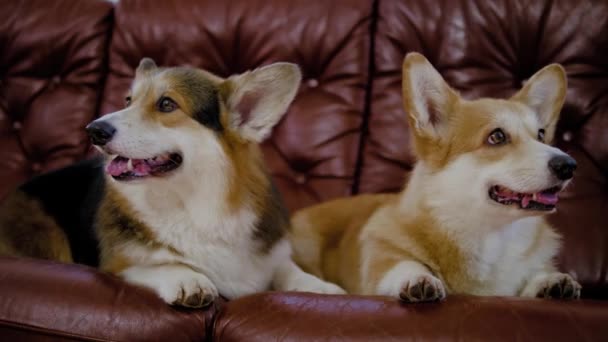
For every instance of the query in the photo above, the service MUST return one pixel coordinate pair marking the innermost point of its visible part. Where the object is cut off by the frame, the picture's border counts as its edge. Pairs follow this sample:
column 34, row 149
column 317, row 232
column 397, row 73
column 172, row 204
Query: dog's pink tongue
column 548, row 198
column 120, row 165
column 525, row 201
column 117, row 166
column 140, row 167
column 508, row 194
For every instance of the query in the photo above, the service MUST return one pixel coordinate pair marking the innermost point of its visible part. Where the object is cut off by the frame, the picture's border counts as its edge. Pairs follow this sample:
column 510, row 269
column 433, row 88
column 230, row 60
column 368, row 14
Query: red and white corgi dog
column 471, row 218
column 182, row 202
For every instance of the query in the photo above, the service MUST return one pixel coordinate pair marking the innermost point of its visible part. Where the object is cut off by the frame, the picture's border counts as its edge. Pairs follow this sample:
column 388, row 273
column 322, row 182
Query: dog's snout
column 100, row 132
column 562, row 166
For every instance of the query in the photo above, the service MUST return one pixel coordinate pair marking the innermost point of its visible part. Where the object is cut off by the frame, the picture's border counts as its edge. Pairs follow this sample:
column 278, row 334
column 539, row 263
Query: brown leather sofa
column 63, row 62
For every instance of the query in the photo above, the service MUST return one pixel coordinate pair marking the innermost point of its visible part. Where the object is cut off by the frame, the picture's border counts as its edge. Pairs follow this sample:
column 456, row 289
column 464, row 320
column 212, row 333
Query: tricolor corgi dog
column 471, row 219
column 182, row 202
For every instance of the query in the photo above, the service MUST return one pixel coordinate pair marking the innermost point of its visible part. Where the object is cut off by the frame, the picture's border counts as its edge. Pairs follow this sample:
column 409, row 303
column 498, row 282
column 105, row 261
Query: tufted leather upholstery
column 50, row 75
column 344, row 134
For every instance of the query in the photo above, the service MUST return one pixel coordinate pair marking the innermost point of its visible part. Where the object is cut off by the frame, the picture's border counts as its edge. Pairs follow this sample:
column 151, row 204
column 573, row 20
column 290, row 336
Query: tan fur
column 322, row 241
column 417, row 246
column 26, row 230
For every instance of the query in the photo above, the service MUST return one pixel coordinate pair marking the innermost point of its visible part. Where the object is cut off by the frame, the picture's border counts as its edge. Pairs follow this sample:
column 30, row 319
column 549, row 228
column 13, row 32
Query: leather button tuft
column 17, row 126
column 36, row 167
column 567, row 136
column 56, row 80
column 312, row 83
column 301, row 179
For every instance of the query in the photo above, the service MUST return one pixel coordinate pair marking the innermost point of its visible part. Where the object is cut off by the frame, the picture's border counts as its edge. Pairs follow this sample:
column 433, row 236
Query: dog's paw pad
column 562, row 286
column 198, row 299
column 423, row 289
column 193, row 293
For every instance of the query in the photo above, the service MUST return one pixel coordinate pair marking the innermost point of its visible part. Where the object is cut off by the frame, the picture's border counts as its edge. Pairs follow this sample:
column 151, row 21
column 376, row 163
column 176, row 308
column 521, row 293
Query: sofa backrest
column 52, row 62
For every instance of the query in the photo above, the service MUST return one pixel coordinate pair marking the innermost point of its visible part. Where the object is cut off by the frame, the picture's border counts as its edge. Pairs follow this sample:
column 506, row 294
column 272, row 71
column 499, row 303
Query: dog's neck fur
column 459, row 220
column 474, row 244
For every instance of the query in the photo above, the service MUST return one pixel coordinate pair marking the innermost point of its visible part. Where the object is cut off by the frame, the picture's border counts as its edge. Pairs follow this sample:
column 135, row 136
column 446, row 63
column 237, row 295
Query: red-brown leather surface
column 487, row 48
column 309, row 317
column 313, row 152
column 52, row 57
column 78, row 302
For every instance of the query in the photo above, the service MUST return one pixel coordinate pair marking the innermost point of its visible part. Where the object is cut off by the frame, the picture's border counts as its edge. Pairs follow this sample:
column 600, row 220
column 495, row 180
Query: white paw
column 176, row 285
column 559, row 286
column 316, row 285
column 290, row 277
column 411, row 282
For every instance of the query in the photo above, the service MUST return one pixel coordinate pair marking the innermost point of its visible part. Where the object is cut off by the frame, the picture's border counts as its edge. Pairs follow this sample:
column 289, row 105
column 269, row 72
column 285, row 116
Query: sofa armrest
column 302, row 316
column 41, row 300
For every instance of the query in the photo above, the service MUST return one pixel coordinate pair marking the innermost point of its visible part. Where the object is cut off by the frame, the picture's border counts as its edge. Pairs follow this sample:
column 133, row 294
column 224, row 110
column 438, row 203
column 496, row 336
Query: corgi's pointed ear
column 545, row 93
column 427, row 98
column 145, row 66
column 258, row 99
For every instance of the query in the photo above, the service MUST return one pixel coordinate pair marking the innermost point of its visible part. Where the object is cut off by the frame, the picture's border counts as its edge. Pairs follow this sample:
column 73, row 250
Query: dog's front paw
column 290, row 277
column 559, row 286
column 175, row 285
column 411, row 282
column 324, row 287
column 423, row 288
column 310, row 283
column 195, row 292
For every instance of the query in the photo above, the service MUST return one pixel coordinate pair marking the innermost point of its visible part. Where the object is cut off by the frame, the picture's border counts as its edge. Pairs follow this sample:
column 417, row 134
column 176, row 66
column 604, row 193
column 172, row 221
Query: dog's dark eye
column 166, row 105
column 497, row 137
column 128, row 101
column 541, row 135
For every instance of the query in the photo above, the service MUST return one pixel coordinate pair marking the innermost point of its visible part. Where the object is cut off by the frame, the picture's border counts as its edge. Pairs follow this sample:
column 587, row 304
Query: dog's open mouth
column 543, row 200
column 121, row 168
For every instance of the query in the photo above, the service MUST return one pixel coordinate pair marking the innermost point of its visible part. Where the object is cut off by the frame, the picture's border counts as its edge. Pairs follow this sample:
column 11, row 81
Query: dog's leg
column 290, row 277
column 410, row 281
column 176, row 284
column 387, row 270
column 552, row 285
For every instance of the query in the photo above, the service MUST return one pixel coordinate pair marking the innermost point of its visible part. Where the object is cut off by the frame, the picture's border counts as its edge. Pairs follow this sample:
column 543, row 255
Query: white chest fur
column 503, row 259
column 220, row 244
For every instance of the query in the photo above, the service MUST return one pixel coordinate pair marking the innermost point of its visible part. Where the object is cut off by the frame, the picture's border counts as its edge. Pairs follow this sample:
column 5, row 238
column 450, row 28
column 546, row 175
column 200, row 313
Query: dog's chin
column 123, row 169
column 532, row 202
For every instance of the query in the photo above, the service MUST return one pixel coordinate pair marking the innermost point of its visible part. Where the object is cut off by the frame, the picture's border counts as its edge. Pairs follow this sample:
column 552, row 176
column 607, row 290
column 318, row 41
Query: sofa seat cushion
column 309, row 317
column 42, row 300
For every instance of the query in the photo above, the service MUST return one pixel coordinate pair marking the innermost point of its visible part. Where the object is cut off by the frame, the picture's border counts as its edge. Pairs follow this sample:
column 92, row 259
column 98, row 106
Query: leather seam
column 371, row 70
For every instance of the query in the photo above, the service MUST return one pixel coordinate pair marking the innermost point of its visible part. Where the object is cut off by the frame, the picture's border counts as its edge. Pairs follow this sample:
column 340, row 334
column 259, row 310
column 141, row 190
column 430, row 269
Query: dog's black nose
column 100, row 132
column 562, row 166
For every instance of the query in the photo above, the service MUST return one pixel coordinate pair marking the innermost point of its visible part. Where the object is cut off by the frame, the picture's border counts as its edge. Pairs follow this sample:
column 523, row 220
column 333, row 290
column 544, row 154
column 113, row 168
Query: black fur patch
column 274, row 222
column 203, row 94
column 121, row 223
column 72, row 196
